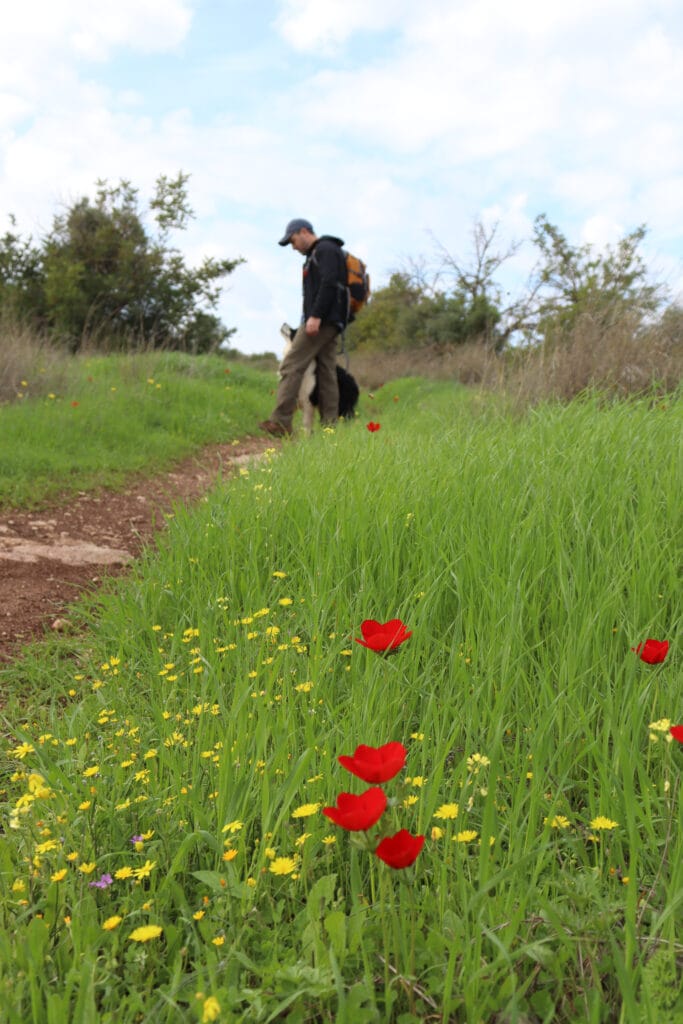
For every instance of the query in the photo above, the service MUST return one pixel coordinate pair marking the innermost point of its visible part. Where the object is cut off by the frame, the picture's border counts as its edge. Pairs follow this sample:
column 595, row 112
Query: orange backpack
column 357, row 282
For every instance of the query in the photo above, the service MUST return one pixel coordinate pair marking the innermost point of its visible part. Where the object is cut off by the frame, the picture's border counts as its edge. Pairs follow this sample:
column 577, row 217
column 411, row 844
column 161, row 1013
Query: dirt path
column 48, row 557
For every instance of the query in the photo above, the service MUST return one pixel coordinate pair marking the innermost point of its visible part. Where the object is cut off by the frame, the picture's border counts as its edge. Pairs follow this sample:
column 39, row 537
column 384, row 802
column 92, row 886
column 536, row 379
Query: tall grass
column 621, row 358
column 111, row 416
column 204, row 709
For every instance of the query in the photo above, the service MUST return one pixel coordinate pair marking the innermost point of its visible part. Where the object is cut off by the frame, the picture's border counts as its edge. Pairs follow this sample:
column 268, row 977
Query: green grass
column 119, row 415
column 213, row 697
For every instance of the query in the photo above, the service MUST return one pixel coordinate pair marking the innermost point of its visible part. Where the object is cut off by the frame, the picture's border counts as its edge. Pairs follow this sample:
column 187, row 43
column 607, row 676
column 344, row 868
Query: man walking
column 325, row 313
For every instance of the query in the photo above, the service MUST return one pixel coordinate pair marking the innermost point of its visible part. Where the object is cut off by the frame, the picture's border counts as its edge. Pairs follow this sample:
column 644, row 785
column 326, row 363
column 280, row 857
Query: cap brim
column 285, row 240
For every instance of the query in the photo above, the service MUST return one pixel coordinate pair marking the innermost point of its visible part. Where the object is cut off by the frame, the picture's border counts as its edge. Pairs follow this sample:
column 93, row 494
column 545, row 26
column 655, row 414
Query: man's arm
column 327, row 261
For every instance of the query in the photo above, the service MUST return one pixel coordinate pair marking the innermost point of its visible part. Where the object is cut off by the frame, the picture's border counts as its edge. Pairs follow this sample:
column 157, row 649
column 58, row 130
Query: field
column 165, row 856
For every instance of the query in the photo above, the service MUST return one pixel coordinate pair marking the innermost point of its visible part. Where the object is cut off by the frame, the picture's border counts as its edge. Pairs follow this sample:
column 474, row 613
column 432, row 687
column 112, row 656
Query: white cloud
column 36, row 28
column 416, row 118
column 321, row 26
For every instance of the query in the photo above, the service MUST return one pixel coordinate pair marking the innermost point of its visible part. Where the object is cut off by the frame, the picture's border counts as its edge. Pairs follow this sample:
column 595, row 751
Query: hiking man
column 325, row 313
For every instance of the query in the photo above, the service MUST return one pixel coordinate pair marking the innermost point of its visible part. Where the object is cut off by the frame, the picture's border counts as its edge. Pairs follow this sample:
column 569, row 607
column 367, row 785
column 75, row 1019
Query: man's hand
column 313, row 325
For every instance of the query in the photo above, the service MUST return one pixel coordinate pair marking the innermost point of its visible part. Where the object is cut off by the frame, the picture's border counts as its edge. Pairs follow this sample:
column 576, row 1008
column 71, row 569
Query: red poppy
column 74, row 404
column 677, row 732
column 372, row 427
column 375, row 764
column 652, row 651
column 357, row 813
column 401, row 850
column 382, row 636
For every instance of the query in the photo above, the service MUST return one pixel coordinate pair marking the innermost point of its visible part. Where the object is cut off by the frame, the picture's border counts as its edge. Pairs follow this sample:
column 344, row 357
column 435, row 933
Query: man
column 325, row 313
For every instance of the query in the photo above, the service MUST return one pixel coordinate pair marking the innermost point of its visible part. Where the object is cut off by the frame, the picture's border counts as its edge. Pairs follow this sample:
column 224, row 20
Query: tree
column 411, row 313
column 575, row 280
column 21, row 276
column 102, row 275
column 380, row 324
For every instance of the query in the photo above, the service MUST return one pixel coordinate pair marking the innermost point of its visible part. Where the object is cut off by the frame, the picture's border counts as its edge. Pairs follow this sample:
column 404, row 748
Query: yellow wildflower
column 558, row 821
column 477, row 761
column 22, row 751
column 145, row 933
column 210, row 1010
column 146, row 870
column 306, row 810
column 282, row 866
column 447, row 811
column 468, row 836
column 50, row 844
column 603, row 823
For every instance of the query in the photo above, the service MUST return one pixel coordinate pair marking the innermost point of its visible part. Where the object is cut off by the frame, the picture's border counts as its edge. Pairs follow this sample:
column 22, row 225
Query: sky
column 393, row 124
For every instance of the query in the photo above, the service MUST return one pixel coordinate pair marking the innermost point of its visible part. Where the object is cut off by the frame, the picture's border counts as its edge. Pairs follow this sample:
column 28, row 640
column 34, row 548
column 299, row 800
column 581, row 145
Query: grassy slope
column 119, row 415
column 527, row 556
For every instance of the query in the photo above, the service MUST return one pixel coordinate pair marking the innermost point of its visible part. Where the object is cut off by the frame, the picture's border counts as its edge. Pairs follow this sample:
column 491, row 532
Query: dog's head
column 287, row 333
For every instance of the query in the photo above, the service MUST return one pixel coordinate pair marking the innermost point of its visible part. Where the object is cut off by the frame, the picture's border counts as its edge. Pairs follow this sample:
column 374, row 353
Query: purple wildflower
column 104, row 882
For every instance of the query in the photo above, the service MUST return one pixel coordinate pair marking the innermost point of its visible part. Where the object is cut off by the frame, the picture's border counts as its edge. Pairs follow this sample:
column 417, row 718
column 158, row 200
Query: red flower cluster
column 401, row 850
column 375, row 764
column 652, row 651
column 383, row 636
column 359, row 813
column 677, row 732
column 372, row 427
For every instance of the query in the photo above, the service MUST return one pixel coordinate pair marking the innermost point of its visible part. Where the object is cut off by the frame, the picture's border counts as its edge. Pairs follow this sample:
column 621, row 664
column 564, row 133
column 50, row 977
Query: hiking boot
column 275, row 429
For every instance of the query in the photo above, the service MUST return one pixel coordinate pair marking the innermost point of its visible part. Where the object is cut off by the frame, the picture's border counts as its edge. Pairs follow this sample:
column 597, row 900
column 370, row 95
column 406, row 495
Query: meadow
column 74, row 424
column 165, row 856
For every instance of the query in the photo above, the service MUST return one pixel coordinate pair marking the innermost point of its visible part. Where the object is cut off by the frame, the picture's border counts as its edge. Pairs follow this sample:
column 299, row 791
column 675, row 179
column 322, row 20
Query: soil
column 48, row 557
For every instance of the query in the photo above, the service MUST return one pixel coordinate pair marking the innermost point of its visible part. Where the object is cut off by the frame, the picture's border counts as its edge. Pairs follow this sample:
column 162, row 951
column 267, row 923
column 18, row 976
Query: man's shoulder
column 327, row 242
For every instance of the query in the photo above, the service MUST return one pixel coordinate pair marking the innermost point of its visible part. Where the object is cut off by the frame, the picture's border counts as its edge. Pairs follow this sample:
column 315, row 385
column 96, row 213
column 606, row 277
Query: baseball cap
column 295, row 225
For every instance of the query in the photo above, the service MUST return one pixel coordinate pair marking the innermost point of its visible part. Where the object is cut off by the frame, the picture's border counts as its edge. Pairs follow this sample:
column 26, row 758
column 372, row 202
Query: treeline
column 447, row 301
column 102, row 276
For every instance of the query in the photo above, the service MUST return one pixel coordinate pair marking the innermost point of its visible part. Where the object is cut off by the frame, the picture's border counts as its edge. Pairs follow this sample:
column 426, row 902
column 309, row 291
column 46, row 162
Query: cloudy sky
column 388, row 122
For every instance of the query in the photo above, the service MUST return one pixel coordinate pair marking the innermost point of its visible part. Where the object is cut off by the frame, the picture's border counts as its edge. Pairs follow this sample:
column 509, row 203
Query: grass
column 205, row 705
column 117, row 415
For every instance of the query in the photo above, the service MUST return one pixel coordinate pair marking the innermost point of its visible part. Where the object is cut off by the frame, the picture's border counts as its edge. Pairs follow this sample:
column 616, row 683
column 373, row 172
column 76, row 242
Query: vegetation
column 111, row 416
column 452, row 302
column 100, row 277
column 166, row 858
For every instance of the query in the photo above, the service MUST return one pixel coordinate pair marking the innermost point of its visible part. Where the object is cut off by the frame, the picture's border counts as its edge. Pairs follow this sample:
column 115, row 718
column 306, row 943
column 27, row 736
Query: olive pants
column 323, row 348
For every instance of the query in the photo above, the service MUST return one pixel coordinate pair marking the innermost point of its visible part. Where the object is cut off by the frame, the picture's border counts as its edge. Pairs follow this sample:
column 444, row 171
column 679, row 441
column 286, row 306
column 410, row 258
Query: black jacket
column 324, row 284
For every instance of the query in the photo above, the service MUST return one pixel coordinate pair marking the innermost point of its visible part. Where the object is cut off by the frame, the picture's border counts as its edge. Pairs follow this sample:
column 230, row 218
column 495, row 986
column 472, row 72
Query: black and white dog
column 308, row 392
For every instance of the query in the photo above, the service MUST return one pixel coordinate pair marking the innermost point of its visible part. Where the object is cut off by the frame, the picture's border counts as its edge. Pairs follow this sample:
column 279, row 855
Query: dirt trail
column 48, row 557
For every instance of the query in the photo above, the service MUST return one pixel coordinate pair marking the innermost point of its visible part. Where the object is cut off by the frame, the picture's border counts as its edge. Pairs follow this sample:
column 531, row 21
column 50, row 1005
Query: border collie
column 308, row 392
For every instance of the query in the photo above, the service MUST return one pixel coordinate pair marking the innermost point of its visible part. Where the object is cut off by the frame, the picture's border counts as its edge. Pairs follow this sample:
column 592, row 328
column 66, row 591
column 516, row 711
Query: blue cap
column 295, row 225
